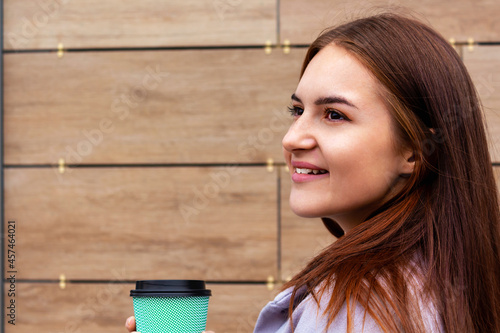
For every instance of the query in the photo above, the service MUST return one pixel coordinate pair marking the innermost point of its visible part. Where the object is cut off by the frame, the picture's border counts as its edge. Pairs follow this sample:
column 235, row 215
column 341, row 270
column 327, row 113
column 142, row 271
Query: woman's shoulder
column 313, row 312
column 310, row 316
column 425, row 302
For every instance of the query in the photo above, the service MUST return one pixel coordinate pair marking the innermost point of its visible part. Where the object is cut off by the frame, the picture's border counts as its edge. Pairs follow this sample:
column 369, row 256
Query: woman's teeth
column 309, row 171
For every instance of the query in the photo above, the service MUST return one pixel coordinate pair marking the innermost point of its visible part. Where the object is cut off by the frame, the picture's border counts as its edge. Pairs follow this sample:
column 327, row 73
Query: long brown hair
column 446, row 219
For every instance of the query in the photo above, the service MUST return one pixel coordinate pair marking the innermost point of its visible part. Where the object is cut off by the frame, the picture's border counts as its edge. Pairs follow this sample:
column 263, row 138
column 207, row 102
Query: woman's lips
column 301, row 177
column 305, row 172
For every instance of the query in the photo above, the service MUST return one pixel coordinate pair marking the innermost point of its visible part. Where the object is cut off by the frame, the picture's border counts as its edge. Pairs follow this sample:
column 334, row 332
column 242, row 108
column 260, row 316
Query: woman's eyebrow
column 327, row 100
column 295, row 98
column 333, row 100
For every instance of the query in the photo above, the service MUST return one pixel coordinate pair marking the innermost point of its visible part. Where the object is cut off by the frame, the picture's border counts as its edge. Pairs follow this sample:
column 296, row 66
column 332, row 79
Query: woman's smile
column 305, row 172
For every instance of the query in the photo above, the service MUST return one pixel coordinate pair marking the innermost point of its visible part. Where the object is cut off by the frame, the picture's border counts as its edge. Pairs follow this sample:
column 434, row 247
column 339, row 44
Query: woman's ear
column 408, row 163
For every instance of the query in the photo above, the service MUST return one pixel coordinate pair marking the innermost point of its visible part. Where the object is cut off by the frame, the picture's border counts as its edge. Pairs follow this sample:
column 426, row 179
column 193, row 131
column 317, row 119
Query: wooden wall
column 143, row 141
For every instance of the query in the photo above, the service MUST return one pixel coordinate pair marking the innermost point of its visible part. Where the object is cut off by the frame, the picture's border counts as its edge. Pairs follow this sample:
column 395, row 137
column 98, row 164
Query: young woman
column 388, row 147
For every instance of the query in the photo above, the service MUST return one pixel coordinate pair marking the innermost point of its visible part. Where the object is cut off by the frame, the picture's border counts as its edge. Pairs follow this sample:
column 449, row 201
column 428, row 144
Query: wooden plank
column 235, row 308
column 147, row 23
column 104, row 307
column 496, row 172
column 302, row 21
column 166, row 223
column 483, row 63
column 198, row 106
column 301, row 238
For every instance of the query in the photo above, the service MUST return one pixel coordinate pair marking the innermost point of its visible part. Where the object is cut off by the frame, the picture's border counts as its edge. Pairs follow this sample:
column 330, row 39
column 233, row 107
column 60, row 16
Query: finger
column 130, row 324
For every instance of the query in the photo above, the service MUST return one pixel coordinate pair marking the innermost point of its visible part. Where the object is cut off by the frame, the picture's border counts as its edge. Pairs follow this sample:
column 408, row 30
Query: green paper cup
column 170, row 306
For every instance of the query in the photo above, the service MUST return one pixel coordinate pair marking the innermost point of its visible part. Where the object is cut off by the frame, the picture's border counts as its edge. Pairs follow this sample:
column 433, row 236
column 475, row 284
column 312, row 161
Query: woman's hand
column 130, row 325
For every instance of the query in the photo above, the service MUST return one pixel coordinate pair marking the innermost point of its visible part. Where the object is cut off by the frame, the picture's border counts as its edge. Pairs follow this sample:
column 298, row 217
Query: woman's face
column 341, row 148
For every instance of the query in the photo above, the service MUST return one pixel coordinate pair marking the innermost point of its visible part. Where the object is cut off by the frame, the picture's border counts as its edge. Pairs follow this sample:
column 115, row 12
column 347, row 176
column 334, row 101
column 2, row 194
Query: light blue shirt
column 307, row 317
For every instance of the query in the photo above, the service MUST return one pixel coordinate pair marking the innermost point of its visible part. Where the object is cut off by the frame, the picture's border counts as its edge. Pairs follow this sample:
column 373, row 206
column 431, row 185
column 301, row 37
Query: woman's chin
column 305, row 211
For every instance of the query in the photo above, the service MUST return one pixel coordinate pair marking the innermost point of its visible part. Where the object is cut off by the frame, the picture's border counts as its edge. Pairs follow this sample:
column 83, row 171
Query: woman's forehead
column 335, row 71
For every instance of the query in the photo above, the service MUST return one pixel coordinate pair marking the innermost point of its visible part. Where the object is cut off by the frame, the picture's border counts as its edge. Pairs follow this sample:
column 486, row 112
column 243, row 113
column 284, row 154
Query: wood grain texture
column 235, row 308
column 496, row 172
column 90, row 223
column 197, row 106
column 147, row 23
column 104, row 307
column 483, row 63
column 301, row 238
column 302, row 21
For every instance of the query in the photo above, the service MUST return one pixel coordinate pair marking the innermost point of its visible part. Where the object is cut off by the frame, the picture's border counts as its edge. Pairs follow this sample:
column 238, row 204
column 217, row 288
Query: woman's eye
column 295, row 111
column 335, row 115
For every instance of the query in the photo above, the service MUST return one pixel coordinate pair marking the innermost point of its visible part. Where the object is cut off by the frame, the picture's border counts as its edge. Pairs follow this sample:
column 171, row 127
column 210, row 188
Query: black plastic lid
column 170, row 288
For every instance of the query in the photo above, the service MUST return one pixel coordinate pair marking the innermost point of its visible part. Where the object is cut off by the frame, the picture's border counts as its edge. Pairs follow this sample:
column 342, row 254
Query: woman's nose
column 300, row 136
